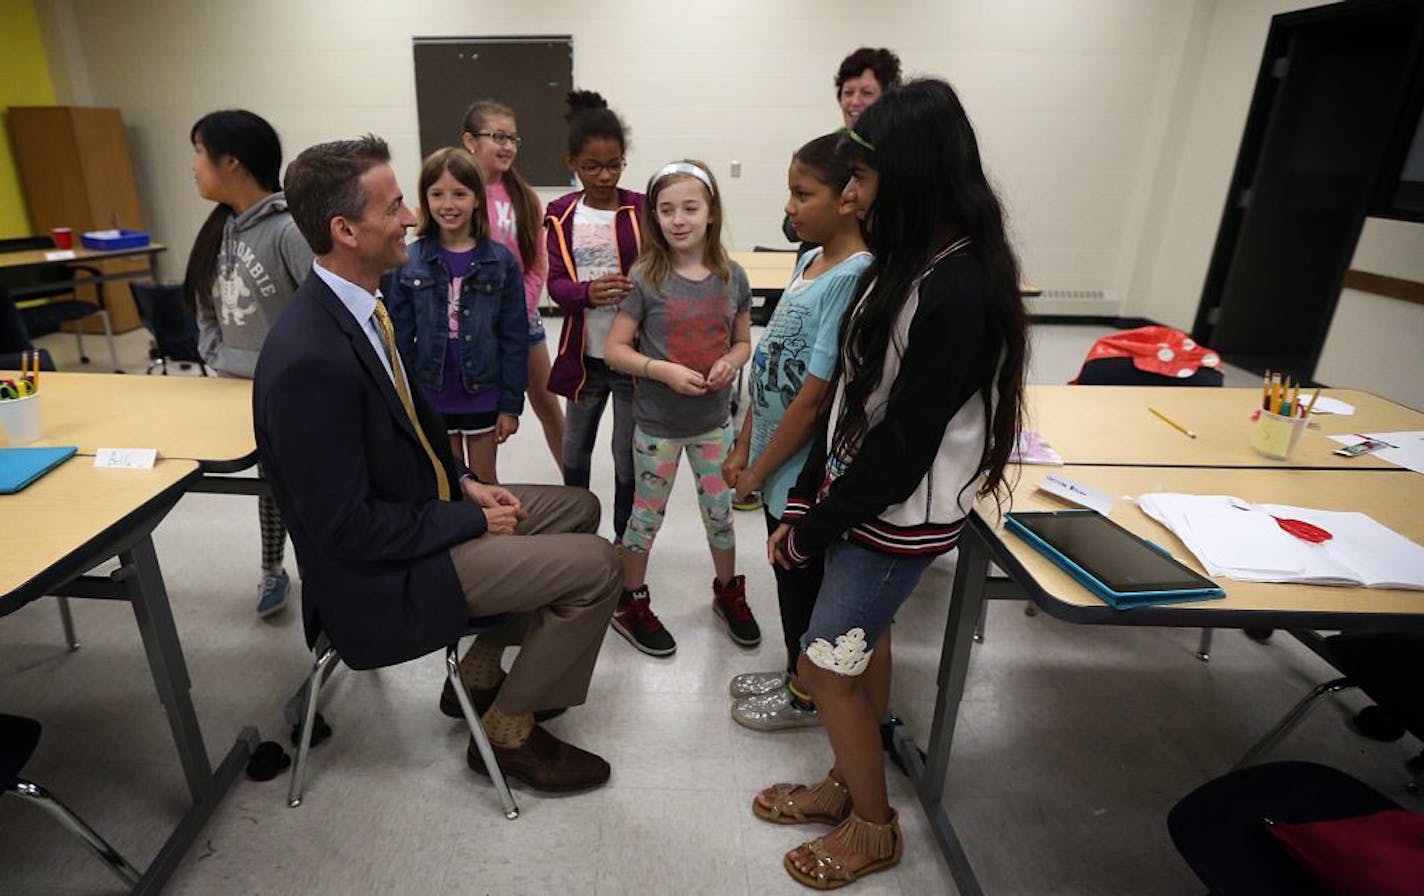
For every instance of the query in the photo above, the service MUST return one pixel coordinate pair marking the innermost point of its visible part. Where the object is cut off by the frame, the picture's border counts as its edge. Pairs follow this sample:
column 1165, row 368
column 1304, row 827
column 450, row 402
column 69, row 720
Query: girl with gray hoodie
column 247, row 262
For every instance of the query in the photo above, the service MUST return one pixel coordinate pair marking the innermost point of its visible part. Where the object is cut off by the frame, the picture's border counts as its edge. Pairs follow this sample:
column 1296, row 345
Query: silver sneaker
column 773, row 712
column 749, row 684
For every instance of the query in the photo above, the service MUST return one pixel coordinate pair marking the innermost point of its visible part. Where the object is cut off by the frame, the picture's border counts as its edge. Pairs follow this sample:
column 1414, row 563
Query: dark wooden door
column 1331, row 91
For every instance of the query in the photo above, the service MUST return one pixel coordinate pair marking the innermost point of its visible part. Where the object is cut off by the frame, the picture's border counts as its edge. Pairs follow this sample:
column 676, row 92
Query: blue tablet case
column 1118, row 600
column 21, row 466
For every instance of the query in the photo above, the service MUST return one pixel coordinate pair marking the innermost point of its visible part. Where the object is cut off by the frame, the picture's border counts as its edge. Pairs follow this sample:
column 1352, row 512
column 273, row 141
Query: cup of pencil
column 19, row 402
column 1282, row 418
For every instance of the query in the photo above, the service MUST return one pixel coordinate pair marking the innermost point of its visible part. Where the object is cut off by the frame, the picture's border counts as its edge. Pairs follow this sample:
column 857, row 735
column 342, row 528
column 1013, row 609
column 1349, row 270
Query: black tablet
column 1116, row 564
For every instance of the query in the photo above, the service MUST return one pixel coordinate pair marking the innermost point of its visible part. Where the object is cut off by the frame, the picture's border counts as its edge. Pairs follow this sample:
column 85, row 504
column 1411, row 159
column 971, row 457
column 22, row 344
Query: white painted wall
column 1373, row 342
column 1109, row 126
column 1064, row 95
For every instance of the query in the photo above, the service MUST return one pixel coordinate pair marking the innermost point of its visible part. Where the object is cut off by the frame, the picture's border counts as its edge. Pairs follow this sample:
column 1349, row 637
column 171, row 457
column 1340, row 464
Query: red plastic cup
column 63, row 238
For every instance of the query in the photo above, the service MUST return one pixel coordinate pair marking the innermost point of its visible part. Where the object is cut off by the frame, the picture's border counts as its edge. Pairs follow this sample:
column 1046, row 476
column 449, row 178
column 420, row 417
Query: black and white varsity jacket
column 909, row 483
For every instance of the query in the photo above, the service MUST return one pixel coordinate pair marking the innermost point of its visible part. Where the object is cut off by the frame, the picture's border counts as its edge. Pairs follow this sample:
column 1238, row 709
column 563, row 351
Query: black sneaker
column 729, row 602
column 635, row 620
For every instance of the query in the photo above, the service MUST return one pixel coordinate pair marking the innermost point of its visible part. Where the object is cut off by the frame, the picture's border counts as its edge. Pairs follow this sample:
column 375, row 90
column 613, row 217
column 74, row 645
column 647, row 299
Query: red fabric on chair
column 1370, row 855
column 1160, row 350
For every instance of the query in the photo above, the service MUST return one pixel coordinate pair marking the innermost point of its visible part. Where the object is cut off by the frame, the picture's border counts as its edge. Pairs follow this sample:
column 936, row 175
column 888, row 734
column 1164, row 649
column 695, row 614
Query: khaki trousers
column 559, row 583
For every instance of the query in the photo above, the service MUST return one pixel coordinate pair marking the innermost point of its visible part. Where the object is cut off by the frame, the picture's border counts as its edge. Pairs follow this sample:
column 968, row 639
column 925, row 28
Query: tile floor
column 1074, row 741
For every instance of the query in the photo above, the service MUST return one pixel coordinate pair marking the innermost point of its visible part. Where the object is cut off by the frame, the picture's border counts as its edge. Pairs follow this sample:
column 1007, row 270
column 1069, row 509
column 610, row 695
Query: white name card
column 60, row 255
column 1077, row 493
column 126, row 458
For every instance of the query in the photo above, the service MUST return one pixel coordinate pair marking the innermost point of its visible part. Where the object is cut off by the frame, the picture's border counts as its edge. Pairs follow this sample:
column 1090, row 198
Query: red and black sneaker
column 729, row 602
column 635, row 620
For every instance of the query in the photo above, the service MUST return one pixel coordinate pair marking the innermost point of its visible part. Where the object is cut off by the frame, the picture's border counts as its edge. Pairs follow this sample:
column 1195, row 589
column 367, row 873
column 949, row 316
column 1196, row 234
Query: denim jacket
column 494, row 327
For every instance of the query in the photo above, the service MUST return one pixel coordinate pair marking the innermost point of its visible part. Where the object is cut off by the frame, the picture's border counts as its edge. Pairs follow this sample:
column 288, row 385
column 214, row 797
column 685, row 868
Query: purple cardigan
column 567, row 376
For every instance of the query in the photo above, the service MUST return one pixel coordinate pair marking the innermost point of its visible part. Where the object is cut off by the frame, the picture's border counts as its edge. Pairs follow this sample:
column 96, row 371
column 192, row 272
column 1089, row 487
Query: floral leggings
column 654, row 471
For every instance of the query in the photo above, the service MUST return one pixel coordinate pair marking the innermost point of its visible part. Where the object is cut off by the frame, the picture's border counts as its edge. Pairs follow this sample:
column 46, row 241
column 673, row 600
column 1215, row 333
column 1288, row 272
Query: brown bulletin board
column 531, row 75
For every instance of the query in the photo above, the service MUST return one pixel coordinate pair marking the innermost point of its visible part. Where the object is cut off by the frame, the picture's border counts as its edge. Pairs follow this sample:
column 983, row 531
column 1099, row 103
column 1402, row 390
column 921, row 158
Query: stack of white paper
column 1249, row 546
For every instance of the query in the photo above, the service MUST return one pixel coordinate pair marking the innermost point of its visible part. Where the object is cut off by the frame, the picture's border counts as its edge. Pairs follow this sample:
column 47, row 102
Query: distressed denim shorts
column 859, row 595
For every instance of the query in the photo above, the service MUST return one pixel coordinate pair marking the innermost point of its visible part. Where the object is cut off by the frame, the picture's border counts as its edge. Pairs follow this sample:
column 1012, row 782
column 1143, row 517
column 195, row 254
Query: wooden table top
column 207, row 419
column 1112, row 425
column 1394, row 501
column 71, row 505
column 32, row 257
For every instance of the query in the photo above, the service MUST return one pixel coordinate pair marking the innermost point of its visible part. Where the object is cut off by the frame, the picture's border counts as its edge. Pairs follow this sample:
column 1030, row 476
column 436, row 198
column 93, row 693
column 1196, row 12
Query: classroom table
column 1112, row 425
column 36, row 258
column 205, row 419
column 70, row 521
column 1396, row 500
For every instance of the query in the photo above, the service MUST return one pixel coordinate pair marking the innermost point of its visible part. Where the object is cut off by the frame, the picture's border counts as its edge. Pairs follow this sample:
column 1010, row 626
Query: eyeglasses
column 592, row 168
column 501, row 138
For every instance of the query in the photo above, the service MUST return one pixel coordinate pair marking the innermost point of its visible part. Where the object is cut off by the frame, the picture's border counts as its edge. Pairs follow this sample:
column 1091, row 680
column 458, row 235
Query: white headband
column 684, row 168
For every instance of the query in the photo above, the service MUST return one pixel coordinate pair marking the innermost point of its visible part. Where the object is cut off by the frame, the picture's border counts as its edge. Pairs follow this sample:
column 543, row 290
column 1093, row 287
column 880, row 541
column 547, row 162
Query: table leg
column 149, row 598
column 966, row 604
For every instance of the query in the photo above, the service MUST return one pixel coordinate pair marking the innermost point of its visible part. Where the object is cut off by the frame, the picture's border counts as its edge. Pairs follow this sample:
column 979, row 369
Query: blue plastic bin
column 111, row 241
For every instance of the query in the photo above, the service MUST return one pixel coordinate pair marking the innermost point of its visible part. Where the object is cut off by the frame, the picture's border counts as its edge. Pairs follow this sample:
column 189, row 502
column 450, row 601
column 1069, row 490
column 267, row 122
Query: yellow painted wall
column 24, row 81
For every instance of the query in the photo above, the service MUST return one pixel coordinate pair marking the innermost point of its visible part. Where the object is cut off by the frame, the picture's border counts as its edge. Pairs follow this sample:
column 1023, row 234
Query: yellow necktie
column 388, row 336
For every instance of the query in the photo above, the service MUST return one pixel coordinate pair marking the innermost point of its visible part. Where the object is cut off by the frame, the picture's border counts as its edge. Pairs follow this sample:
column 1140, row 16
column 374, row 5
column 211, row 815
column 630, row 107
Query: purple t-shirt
column 452, row 397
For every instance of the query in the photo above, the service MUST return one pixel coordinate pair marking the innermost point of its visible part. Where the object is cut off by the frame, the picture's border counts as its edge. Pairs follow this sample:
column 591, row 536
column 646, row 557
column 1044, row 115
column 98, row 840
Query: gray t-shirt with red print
column 688, row 322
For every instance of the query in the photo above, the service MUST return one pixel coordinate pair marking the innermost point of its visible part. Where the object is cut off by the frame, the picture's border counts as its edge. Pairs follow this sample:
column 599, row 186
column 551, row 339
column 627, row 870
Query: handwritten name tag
column 60, row 255
column 126, row 458
column 1077, row 493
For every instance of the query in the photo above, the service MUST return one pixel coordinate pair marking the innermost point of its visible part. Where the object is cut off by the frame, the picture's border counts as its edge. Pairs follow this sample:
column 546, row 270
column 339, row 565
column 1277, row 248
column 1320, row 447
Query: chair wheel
column 83, row 359
column 320, row 732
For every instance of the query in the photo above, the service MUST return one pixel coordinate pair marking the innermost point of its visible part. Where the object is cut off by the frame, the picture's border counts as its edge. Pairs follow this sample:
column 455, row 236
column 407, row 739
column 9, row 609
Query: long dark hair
column 931, row 191
column 248, row 138
column 528, row 223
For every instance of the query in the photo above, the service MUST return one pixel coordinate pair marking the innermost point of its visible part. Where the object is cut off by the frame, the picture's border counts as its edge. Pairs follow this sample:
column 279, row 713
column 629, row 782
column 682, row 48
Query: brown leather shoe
column 545, row 763
column 483, row 700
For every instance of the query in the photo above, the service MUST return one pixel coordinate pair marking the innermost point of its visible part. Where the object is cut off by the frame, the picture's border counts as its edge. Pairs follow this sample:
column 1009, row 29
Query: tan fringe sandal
column 829, row 804
column 881, row 843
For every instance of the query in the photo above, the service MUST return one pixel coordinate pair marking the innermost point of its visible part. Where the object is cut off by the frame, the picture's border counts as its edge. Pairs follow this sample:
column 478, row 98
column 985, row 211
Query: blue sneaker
column 272, row 594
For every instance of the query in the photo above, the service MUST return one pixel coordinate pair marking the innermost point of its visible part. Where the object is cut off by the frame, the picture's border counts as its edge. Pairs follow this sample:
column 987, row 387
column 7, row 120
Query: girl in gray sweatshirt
column 246, row 264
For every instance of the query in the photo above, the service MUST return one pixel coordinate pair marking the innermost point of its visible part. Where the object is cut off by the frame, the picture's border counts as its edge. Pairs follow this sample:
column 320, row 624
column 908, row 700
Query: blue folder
column 21, row 466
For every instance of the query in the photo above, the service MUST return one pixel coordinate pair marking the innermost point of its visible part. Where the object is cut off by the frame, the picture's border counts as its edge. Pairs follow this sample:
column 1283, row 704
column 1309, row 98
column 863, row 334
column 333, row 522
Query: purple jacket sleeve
column 569, row 293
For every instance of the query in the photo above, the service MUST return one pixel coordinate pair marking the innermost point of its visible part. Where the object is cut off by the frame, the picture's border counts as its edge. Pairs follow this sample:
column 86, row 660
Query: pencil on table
column 1172, row 423
column 1310, row 407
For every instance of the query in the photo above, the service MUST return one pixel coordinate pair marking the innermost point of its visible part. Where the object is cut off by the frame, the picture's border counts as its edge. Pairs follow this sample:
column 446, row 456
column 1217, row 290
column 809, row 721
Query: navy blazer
column 356, row 489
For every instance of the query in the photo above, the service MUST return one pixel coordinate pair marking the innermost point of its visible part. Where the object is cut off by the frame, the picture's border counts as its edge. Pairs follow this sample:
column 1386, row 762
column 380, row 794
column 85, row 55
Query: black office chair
column 1388, row 667
column 19, row 737
column 11, row 360
column 324, row 665
column 1219, row 829
column 44, row 307
column 175, row 332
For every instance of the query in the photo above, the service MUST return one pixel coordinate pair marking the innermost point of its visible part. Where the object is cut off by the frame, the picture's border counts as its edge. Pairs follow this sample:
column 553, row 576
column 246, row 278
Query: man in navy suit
column 398, row 543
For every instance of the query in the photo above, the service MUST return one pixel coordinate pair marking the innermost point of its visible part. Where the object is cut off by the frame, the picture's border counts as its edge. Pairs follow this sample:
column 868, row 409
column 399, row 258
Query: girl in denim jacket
column 459, row 313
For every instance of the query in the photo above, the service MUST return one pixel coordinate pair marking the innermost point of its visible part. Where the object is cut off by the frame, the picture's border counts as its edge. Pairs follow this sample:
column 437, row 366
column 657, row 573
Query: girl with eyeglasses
column 593, row 239
column 492, row 137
